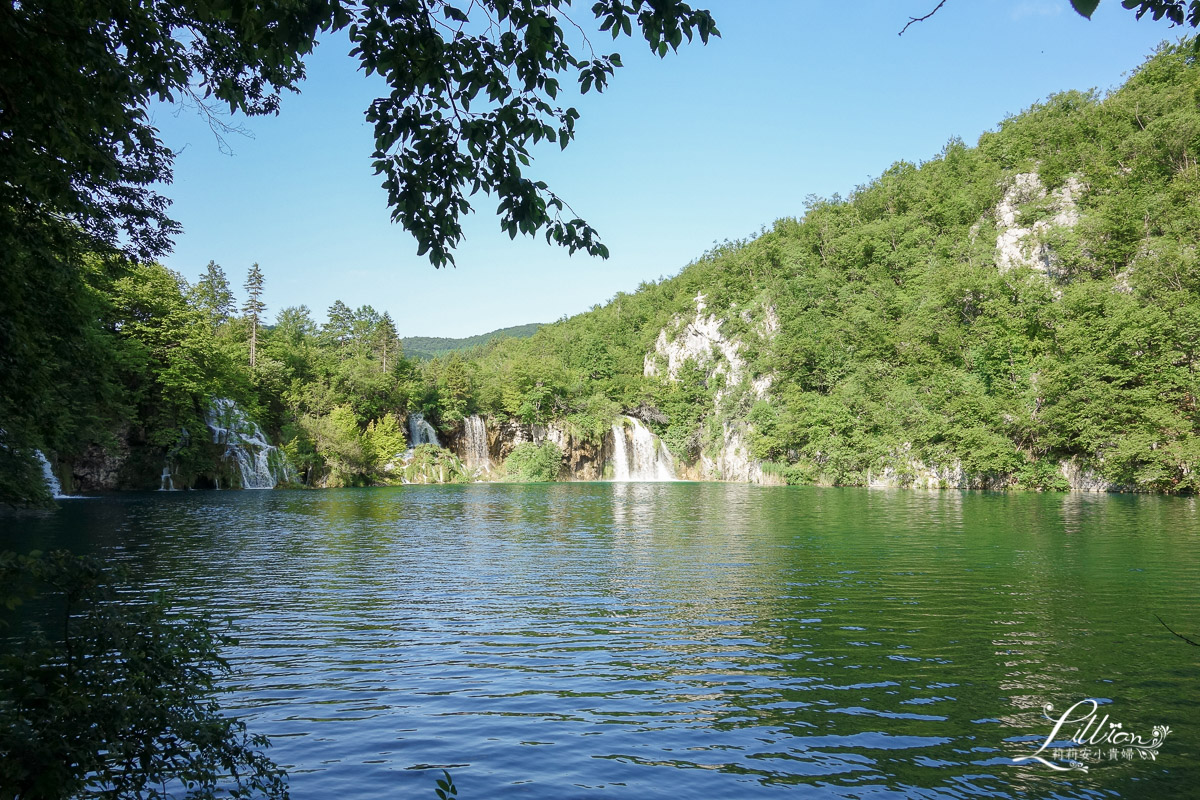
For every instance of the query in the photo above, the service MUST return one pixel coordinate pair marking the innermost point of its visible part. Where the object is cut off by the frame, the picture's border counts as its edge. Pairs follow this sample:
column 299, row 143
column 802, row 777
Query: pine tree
column 386, row 337
column 340, row 325
column 254, row 307
column 213, row 295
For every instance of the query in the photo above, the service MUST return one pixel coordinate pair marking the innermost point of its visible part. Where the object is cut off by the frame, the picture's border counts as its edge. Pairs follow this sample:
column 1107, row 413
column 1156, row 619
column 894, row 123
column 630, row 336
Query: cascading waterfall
column 476, row 444
column 261, row 464
column 639, row 455
column 166, row 481
column 420, row 431
column 52, row 483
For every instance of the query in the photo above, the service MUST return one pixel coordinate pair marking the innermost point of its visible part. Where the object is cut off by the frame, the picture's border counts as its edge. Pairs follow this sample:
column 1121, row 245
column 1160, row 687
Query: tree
column 386, row 340
column 472, row 86
column 1177, row 12
column 454, row 388
column 254, row 306
column 341, row 323
column 213, row 295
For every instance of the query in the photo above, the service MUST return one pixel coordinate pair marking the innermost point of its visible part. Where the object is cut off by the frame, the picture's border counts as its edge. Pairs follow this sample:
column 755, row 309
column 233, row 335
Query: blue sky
column 712, row 143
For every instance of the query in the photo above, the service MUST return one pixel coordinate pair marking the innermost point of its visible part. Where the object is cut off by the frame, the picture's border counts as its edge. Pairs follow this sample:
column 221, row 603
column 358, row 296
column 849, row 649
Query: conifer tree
column 254, row 306
column 341, row 323
column 213, row 295
column 386, row 336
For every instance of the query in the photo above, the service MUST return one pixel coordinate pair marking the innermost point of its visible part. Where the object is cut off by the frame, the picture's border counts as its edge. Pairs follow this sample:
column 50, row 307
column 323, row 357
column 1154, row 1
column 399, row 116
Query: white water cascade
column 420, row 431
column 166, row 483
column 475, row 444
column 261, row 464
column 52, row 483
column 639, row 455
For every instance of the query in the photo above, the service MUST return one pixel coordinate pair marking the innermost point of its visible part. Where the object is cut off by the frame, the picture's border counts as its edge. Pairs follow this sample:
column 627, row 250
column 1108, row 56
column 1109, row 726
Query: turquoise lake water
column 682, row 640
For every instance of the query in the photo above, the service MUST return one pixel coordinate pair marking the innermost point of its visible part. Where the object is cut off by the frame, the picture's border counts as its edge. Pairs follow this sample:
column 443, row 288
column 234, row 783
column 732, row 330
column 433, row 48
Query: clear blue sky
column 712, row 143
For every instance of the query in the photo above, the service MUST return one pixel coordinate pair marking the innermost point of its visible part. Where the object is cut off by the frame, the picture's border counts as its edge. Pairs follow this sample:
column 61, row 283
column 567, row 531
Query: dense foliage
column 427, row 347
column 903, row 334
column 472, row 87
column 891, row 326
column 534, row 463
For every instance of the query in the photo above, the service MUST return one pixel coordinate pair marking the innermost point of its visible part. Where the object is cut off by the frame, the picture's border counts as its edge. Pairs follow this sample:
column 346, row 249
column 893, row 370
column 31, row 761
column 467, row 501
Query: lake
column 683, row 640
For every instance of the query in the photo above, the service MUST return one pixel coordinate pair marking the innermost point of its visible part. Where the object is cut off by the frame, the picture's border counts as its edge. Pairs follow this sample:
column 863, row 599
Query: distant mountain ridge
column 427, row 347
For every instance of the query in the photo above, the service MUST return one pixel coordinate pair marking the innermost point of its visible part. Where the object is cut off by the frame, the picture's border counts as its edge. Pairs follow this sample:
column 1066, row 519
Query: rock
column 99, row 469
column 1018, row 246
column 1082, row 478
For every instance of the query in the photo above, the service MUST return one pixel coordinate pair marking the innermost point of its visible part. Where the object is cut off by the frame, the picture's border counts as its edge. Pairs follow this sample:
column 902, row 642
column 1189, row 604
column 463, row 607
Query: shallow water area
column 681, row 639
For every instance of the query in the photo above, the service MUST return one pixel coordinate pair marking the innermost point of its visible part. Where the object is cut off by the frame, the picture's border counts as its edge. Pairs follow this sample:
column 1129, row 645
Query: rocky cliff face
column 128, row 462
column 582, row 460
column 1020, row 245
column 732, row 462
column 905, row 471
column 1083, row 479
column 702, row 340
column 98, row 469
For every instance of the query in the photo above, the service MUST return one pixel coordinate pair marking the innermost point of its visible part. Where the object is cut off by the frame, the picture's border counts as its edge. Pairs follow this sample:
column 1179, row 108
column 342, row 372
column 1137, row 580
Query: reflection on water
column 681, row 640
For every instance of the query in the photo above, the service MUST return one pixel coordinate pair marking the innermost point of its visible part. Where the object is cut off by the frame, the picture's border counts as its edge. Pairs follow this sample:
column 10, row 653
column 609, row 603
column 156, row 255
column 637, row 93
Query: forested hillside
column 1020, row 313
column 1003, row 308
column 426, row 347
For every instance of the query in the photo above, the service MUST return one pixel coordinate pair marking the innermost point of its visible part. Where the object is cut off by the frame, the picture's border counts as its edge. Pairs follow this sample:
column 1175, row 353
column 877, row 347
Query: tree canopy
column 472, row 87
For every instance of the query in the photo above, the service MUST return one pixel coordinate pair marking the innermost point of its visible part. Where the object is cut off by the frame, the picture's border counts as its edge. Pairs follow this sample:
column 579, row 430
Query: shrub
column 531, row 463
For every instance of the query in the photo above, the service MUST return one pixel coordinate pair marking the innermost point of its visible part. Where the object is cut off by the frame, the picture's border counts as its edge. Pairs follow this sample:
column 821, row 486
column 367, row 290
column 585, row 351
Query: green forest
column 426, row 347
column 1008, row 307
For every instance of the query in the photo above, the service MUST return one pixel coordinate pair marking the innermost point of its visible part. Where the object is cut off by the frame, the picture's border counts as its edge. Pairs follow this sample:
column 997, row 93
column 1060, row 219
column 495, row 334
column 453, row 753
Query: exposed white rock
column 770, row 322
column 734, row 463
column 919, row 475
column 903, row 470
column 1018, row 246
column 1123, row 281
column 702, row 341
column 1082, row 479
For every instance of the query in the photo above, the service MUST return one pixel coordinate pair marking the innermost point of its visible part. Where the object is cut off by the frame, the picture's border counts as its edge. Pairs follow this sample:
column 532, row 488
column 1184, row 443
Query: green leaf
column 1085, row 7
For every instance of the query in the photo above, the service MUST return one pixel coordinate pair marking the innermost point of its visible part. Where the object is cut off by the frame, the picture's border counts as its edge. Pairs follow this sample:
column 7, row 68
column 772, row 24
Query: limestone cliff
column 1024, row 245
column 702, row 340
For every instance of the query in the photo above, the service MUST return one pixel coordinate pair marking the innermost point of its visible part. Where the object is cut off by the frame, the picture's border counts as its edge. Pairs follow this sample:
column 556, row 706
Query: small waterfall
column 639, row 455
column 475, row 444
column 261, row 464
column 166, row 484
column 52, row 483
column 420, row 431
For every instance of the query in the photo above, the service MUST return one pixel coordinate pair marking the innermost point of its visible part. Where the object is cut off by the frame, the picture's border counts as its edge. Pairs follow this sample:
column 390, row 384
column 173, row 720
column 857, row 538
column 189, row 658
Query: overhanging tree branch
column 912, row 20
column 1172, row 630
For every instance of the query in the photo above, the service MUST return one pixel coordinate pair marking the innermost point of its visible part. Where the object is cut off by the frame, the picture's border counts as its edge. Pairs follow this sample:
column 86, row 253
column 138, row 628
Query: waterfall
column 475, row 444
column 639, row 455
column 52, row 484
column 166, row 484
column 420, row 431
column 261, row 464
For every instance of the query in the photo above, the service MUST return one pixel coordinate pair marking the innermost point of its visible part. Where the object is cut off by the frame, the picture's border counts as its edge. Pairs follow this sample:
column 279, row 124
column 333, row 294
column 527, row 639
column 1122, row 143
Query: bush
column 534, row 463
